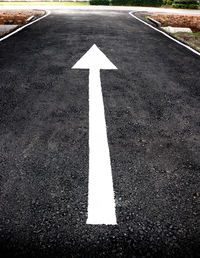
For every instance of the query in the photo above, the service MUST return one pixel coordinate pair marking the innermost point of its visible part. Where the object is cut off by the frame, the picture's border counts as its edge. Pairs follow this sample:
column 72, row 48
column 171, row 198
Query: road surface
column 152, row 110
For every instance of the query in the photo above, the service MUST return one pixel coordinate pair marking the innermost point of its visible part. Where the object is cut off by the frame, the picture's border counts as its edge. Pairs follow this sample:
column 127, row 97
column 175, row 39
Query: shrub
column 189, row 4
column 186, row 5
column 137, row 2
column 119, row 2
column 185, row 1
column 99, row 2
column 169, row 2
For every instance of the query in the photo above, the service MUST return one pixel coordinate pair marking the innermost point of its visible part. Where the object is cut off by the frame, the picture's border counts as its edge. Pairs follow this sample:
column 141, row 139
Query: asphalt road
column 152, row 113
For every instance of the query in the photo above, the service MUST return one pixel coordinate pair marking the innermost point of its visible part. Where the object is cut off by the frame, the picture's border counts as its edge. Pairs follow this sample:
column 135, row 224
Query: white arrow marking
column 101, row 203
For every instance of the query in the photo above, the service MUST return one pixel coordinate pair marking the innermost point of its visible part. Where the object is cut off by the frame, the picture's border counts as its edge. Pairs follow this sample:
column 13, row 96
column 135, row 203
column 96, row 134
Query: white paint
column 101, row 203
column 168, row 36
column 22, row 27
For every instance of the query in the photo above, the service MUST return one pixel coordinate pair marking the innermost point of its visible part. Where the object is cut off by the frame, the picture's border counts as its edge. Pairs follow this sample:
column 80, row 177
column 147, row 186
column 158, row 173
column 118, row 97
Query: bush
column 185, row 1
column 186, row 5
column 99, row 2
column 137, row 2
column 118, row 2
column 169, row 2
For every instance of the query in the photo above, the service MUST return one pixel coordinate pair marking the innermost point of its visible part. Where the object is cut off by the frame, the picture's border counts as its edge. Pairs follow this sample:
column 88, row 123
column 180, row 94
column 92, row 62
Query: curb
column 30, row 18
column 166, row 35
column 47, row 12
column 158, row 24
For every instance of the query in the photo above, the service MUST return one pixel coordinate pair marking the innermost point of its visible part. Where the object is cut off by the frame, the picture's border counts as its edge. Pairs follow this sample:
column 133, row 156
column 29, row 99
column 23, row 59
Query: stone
column 6, row 28
column 176, row 29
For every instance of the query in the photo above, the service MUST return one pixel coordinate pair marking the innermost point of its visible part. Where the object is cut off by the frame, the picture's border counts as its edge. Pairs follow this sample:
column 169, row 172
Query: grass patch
column 192, row 39
column 197, row 34
column 44, row 3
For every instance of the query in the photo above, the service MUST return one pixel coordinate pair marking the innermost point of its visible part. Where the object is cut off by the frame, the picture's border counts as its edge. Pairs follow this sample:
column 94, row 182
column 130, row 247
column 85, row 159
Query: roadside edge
column 165, row 34
column 24, row 26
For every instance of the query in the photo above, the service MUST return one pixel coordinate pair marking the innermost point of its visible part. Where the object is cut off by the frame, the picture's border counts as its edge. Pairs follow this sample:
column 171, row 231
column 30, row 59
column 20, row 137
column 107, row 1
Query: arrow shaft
column 101, row 204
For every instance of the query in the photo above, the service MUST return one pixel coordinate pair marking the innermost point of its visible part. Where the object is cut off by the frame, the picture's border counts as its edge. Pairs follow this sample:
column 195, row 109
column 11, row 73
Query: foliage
column 185, row 1
column 137, row 2
column 197, row 34
column 43, row 3
column 185, row 5
column 169, row 2
column 189, row 4
column 192, row 4
column 99, row 2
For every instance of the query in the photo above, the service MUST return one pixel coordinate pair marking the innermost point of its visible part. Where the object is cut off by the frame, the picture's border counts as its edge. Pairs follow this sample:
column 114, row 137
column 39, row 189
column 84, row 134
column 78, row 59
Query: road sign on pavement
column 101, row 204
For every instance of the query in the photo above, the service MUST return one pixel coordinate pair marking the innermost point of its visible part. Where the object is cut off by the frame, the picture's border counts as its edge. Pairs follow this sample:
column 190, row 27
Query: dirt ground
column 18, row 17
column 184, row 21
column 189, row 38
column 178, row 20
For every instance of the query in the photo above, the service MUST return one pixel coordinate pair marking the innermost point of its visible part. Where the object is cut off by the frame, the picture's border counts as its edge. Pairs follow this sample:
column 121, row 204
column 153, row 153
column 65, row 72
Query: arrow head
column 94, row 58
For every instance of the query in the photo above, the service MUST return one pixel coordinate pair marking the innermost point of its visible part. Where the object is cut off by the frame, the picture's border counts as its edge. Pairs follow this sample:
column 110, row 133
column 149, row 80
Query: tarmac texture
column 152, row 113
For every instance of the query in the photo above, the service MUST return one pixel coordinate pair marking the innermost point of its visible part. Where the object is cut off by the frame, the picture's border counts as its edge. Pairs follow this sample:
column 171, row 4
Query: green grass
column 197, row 34
column 44, row 3
column 190, row 41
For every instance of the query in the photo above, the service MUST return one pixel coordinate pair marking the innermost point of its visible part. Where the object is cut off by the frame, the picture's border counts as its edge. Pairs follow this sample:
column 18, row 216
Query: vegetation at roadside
column 44, row 3
column 128, row 2
column 137, row 2
column 99, row 2
column 196, row 35
column 187, row 4
column 192, row 39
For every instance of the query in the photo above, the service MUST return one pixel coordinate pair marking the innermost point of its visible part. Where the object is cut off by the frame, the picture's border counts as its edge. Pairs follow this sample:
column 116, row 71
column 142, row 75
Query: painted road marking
column 101, row 202
column 167, row 35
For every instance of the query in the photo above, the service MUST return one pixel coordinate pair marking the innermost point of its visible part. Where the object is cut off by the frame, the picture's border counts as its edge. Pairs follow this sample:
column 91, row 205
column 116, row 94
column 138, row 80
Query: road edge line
column 167, row 35
column 26, row 25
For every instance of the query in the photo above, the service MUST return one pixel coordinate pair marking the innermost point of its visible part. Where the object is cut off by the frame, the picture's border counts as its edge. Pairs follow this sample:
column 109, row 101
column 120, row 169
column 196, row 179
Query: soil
column 18, row 17
column 178, row 20
column 189, row 38
column 184, row 21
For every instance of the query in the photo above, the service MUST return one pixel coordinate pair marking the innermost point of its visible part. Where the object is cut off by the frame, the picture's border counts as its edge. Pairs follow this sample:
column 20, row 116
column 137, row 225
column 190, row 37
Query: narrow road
column 152, row 112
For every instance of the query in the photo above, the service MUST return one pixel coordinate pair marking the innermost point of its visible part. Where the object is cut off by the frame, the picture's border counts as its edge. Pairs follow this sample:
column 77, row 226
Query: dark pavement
column 152, row 105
